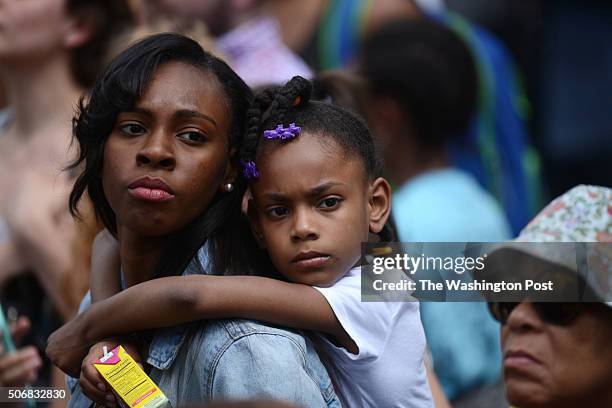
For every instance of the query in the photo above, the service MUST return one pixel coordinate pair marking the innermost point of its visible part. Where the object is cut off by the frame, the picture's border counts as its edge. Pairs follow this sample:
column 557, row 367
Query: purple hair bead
column 249, row 170
column 283, row 133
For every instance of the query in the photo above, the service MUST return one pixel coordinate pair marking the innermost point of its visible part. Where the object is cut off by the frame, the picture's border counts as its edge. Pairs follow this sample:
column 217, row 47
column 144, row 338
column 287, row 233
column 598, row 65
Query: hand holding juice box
column 129, row 381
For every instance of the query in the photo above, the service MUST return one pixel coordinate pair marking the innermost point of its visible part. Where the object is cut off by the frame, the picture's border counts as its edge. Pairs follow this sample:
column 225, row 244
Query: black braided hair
column 291, row 103
column 272, row 103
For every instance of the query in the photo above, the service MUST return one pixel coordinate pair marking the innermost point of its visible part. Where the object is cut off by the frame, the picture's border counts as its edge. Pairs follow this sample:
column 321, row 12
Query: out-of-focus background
column 483, row 110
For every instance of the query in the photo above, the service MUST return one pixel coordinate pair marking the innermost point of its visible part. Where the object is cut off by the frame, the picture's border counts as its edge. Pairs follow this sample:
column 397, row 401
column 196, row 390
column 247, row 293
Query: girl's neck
column 139, row 256
column 42, row 94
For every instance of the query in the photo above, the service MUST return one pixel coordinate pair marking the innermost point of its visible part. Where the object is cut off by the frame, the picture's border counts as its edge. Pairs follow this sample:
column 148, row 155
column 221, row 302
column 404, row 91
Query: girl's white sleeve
column 369, row 324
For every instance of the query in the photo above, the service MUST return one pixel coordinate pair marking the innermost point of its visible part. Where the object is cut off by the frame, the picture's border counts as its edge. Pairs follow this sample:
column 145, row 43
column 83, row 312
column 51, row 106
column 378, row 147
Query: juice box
column 129, row 382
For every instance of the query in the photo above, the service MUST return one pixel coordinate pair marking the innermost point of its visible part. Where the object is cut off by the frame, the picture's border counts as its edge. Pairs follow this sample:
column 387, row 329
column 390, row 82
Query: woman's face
column 33, row 28
column 547, row 365
column 165, row 160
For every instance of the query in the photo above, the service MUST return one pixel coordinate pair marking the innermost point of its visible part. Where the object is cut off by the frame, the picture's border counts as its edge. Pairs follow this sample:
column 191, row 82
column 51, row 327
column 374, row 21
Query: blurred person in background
column 558, row 355
column 329, row 33
column 560, row 46
column 270, row 41
column 575, row 93
column 49, row 54
column 423, row 84
column 496, row 148
column 244, row 33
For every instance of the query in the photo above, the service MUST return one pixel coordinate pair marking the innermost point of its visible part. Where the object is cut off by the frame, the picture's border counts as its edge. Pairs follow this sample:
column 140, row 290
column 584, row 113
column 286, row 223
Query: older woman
column 558, row 354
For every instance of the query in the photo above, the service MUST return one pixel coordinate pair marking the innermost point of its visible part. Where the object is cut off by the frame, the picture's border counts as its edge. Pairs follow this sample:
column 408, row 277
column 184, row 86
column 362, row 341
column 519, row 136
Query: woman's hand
column 92, row 383
column 20, row 367
column 66, row 347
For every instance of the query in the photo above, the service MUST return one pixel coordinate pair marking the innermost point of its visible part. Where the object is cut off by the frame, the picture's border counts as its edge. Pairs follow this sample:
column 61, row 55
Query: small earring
column 229, row 187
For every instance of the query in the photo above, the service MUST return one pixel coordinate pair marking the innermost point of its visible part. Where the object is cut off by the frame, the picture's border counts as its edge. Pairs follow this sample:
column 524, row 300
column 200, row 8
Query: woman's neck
column 139, row 256
column 42, row 94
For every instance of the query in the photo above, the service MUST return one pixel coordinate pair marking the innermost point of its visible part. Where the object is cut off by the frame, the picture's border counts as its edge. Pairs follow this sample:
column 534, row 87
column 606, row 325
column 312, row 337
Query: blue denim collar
column 165, row 346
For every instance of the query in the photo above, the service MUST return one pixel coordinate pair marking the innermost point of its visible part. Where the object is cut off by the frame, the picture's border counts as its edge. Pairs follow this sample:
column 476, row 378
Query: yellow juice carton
column 129, row 382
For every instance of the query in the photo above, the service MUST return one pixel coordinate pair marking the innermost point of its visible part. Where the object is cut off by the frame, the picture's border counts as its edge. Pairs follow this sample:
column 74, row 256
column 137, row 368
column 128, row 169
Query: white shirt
column 389, row 370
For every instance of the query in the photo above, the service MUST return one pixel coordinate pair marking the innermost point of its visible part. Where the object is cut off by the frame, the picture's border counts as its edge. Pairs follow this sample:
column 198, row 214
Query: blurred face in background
column 218, row 15
column 32, row 30
column 31, row 27
column 558, row 365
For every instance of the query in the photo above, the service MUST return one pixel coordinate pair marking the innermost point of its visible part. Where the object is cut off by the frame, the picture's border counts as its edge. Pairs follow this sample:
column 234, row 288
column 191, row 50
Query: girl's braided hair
column 335, row 126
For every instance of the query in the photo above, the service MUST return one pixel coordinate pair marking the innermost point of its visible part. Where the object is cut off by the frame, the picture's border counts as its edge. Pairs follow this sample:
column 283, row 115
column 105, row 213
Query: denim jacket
column 232, row 359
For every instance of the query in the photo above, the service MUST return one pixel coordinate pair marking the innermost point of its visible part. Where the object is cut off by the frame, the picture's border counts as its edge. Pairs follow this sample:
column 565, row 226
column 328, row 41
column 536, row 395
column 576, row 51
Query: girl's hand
column 92, row 383
column 66, row 347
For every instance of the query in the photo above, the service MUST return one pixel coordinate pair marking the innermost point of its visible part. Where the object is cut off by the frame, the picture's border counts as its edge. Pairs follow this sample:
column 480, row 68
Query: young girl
column 317, row 195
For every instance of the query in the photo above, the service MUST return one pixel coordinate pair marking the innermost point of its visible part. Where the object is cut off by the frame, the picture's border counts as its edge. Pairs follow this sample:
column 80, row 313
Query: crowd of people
column 194, row 180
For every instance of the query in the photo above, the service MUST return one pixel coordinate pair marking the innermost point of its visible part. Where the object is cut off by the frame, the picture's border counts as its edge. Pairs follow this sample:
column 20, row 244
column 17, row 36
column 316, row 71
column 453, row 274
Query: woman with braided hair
column 317, row 194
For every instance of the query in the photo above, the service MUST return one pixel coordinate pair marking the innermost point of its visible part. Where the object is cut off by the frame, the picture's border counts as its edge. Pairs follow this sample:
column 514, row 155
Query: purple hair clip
column 283, row 133
column 249, row 170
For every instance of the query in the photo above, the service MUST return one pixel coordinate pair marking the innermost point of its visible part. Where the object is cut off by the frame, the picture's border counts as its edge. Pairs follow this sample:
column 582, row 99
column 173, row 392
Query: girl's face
column 313, row 207
column 34, row 28
column 165, row 160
